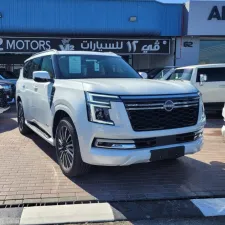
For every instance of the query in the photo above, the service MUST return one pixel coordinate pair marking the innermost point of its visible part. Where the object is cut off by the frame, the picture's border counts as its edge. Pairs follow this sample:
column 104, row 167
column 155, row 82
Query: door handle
column 35, row 88
column 23, row 86
column 222, row 85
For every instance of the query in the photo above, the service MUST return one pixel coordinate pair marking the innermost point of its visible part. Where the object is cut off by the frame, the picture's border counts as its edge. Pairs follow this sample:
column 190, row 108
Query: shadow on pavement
column 171, row 179
column 186, row 177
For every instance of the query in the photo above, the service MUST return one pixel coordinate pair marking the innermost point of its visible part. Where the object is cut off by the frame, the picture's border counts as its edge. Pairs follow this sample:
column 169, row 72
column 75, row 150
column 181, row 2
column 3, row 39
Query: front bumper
column 115, row 157
column 88, row 132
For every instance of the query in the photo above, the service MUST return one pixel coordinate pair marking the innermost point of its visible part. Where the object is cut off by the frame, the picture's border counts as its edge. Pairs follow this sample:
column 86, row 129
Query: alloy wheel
column 65, row 147
column 20, row 117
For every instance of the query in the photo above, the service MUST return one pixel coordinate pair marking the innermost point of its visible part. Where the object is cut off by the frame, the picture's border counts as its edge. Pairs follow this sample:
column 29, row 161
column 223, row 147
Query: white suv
column 96, row 110
column 209, row 79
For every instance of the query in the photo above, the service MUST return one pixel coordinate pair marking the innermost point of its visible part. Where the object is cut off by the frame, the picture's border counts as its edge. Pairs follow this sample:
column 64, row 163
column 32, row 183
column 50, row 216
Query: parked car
column 3, row 100
column 157, row 73
column 209, row 79
column 8, row 75
column 96, row 110
column 164, row 72
column 10, row 90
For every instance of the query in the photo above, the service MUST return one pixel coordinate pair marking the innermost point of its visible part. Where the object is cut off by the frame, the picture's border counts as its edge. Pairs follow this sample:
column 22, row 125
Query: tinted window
column 213, row 74
column 181, row 74
column 26, row 69
column 94, row 66
column 47, row 65
column 35, row 66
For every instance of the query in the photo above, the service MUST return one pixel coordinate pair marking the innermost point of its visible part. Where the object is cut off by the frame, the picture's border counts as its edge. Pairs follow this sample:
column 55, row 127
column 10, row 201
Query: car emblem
column 168, row 105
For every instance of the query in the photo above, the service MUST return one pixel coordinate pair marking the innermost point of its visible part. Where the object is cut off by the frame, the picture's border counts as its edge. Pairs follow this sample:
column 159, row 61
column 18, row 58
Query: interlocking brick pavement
column 29, row 172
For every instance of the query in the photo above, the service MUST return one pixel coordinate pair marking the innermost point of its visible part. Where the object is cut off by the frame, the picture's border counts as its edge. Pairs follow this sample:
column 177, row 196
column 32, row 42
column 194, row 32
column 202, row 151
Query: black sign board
column 120, row 46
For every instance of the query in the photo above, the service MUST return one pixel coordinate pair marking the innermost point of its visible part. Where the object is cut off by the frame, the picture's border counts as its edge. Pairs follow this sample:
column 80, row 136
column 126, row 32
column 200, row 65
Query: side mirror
column 203, row 78
column 41, row 76
column 143, row 75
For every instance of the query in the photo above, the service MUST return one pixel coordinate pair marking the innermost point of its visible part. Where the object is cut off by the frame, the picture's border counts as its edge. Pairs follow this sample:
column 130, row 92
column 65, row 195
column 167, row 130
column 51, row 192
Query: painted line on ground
column 135, row 210
column 96, row 212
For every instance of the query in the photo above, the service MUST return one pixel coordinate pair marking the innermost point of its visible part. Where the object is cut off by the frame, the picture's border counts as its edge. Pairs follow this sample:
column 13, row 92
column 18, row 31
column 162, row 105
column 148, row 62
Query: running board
column 40, row 133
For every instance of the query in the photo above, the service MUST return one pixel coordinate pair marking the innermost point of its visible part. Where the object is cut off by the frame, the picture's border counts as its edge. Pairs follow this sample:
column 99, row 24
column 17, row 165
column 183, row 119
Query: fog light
column 198, row 134
column 113, row 144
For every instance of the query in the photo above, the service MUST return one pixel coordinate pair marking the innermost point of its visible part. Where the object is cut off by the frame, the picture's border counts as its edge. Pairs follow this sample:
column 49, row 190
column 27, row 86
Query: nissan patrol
column 97, row 110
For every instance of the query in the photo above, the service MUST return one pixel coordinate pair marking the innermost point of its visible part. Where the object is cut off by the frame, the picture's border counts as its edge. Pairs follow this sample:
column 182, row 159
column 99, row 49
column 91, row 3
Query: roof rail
column 50, row 50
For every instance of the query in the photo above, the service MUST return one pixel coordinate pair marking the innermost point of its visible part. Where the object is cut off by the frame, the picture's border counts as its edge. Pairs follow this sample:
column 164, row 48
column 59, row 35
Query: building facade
column 203, row 41
column 143, row 32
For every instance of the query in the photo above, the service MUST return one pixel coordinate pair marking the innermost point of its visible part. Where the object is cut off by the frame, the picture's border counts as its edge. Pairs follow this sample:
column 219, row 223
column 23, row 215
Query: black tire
column 23, row 128
column 68, row 150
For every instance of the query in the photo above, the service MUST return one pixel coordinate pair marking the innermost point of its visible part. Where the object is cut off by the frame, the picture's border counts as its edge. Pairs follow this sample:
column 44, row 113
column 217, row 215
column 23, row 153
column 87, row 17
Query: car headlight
column 98, row 106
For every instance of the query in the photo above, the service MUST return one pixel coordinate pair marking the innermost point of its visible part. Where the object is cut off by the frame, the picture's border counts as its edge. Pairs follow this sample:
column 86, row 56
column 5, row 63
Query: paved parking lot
column 29, row 172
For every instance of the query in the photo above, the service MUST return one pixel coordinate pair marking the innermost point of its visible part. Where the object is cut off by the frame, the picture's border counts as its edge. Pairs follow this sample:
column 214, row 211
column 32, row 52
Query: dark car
column 8, row 75
column 10, row 90
column 3, row 100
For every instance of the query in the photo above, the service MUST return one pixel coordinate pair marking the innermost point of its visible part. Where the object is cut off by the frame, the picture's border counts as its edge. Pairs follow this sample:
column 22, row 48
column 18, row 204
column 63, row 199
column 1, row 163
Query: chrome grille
column 148, row 113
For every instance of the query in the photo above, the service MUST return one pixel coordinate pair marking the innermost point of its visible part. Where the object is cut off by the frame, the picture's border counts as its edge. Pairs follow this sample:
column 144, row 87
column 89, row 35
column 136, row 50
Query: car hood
column 137, row 86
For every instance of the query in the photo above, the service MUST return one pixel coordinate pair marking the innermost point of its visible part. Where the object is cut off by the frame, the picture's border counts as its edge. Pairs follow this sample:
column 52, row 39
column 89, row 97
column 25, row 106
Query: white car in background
column 209, row 79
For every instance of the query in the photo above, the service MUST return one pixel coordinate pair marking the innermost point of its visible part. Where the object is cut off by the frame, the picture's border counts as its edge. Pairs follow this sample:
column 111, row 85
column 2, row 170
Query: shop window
column 212, row 51
column 47, row 65
column 213, row 74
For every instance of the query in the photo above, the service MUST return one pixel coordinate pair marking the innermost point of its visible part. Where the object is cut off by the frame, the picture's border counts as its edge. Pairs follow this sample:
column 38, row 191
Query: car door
column 213, row 89
column 43, row 93
column 25, row 87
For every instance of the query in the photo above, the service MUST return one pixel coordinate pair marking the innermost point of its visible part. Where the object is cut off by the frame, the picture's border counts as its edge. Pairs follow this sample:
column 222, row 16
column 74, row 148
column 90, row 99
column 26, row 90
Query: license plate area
column 167, row 153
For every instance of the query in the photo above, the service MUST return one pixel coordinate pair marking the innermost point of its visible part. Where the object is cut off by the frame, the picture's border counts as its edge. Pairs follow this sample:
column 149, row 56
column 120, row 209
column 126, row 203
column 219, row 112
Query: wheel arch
column 60, row 113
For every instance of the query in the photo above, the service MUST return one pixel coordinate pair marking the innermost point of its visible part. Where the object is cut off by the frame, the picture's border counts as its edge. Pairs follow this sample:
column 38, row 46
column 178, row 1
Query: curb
column 116, row 211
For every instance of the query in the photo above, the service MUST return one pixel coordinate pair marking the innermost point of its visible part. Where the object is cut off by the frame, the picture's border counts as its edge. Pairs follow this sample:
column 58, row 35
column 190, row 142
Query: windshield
column 94, row 66
column 181, row 74
column 162, row 73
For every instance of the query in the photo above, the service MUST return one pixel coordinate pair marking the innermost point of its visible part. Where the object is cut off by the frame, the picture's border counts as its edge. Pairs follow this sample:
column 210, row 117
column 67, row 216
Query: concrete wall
column 187, row 51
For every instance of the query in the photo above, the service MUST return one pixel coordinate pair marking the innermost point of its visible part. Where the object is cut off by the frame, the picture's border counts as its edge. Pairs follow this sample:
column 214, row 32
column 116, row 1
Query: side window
column 26, row 69
column 47, row 65
column 213, row 74
column 35, row 66
column 31, row 66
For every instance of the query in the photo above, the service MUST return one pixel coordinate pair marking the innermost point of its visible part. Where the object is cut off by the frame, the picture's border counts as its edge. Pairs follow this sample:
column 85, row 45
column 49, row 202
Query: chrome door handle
column 35, row 88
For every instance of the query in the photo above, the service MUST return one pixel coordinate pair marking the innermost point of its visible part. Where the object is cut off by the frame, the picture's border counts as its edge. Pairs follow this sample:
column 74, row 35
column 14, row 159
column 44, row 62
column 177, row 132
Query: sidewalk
column 114, row 211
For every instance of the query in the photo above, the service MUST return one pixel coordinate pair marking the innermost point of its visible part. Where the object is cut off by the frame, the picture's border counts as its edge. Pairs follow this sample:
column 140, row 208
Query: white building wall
column 187, row 51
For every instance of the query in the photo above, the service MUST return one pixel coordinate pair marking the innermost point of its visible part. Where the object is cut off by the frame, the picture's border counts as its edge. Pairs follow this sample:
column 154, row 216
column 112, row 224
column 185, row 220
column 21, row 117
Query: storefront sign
column 120, row 46
column 216, row 14
column 188, row 44
column 206, row 18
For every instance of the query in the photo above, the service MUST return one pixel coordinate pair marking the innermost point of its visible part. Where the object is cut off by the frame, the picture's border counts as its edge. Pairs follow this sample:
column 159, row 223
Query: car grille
column 148, row 113
column 3, row 99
